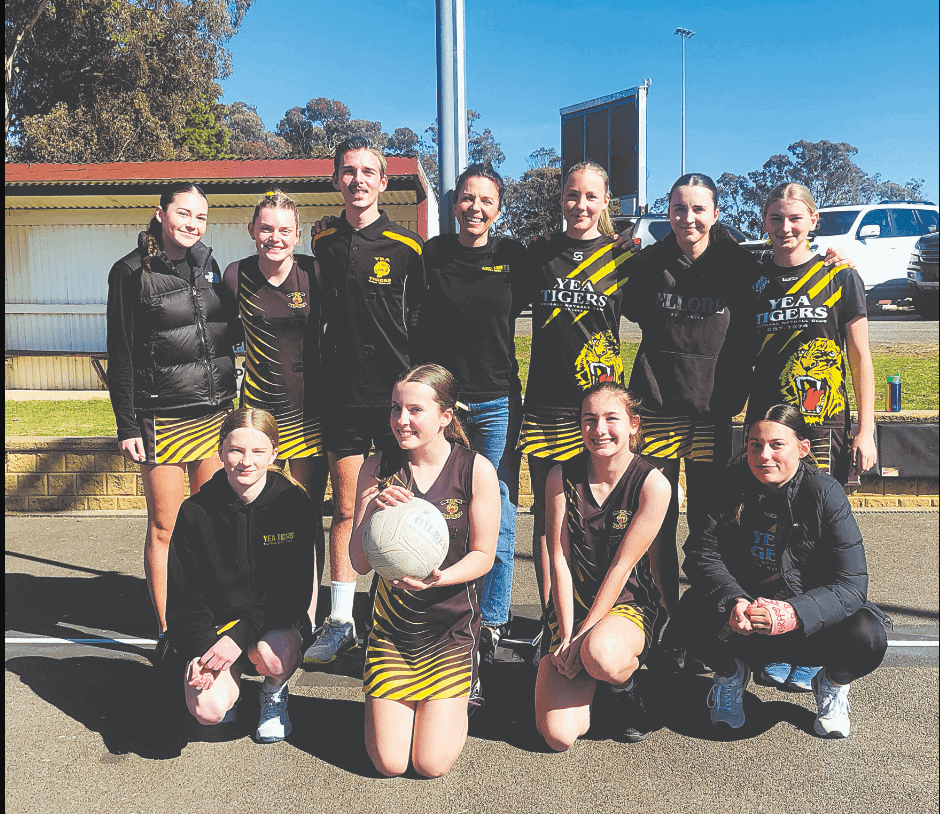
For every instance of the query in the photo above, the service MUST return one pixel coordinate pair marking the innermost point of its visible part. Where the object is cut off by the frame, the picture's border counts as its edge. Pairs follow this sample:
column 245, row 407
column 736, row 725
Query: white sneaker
column 832, row 704
column 333, row 638
column 726, row 697
column 273, row 725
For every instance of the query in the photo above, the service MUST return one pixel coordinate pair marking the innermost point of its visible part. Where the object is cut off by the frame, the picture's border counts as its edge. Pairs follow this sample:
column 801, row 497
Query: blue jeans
column 487, row 427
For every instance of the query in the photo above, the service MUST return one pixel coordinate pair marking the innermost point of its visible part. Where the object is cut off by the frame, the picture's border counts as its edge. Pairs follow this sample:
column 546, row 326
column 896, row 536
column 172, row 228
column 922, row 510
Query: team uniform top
column 423, row 644
column 466, row 319
column 282, row 344
column 374, row 275
column 695, row 354
column 595, row 533
column 800, row 317
column 575, row 290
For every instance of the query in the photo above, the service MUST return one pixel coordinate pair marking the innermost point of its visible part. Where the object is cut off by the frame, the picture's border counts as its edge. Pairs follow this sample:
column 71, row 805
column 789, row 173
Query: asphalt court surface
column 83, row 720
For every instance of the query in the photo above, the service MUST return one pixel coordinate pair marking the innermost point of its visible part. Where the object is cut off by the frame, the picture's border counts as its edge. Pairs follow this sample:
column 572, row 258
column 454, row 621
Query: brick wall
column 88, row 474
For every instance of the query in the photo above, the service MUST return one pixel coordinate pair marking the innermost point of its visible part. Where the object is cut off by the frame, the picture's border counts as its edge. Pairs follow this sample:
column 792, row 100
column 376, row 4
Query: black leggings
column 848, row 650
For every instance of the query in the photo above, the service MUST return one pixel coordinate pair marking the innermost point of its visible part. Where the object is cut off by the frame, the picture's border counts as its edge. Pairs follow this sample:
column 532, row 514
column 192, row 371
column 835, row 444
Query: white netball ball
column 407, row 540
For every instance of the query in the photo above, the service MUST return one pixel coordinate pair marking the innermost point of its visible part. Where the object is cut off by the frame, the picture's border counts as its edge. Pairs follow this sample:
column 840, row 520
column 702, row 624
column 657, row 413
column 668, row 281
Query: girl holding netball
column 777, row 574
column 604, row 508
column 421, row 657
column 171, row 364
column 574, row 280
column 240, row 578
column 278, row 298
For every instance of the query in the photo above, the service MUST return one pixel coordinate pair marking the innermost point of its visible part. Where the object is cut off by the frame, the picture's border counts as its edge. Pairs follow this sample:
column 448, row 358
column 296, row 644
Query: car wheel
column 927, row 304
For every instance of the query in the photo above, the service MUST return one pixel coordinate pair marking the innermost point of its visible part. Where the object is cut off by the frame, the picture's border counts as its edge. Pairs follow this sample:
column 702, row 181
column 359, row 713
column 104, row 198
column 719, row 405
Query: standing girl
column 421, row 658
column 574, row 286
column 605, row 506
column 171, row 364
column 240, row 575
column 466, row 325
column 811, row 317
column 278, row 299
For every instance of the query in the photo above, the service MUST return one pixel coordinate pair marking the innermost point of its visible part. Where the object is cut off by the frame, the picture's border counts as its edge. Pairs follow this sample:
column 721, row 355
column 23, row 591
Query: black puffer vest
column 183, row 355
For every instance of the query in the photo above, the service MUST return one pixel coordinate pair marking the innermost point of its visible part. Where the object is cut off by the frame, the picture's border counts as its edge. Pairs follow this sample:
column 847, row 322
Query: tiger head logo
column 599, row 361
column 381, row 267
column 812, row 379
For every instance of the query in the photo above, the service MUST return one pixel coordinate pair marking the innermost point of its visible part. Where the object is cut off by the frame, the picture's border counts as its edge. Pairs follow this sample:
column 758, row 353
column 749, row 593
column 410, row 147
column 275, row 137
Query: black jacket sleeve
column 123, row 296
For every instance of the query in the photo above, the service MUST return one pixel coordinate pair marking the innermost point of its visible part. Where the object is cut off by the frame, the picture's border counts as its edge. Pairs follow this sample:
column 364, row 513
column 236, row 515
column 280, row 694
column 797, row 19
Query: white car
column 879, row 238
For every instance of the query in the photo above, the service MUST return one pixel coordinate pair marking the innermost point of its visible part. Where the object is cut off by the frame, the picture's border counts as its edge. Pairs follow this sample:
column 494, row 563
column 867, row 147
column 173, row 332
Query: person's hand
column 567, row 657
column 133, row 449
column 199, row 677
column 393, row 496
column 326, row 222
column 772, row 616
column 864, row 452
column 221, row 655
column 833, row 258
column 739, row 622
column 415, row 584
column 624, row 241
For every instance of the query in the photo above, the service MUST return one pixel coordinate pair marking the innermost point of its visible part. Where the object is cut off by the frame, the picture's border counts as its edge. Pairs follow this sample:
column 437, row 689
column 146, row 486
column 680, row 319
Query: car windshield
column 835, row 223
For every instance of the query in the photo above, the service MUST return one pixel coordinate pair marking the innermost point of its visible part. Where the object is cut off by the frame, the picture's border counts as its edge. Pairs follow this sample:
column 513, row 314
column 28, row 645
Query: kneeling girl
column 240, row 568
column 603, row 510
column 421, row 657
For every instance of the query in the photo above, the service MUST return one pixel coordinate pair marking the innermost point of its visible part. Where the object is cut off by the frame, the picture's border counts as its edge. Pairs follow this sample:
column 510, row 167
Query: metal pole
column 684, row 34
column 460, row 114
column 445, row 115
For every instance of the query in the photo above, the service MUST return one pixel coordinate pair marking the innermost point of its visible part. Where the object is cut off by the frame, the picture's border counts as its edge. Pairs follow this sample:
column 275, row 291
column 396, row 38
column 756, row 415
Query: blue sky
column 759, row 75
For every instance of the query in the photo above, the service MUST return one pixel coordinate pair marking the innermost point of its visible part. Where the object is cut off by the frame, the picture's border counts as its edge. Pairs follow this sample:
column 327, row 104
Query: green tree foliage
column 246, row 133
column 531, row 205
column 203, row 135
column 826, row 168
column 115, row 80
column 314, row 130
column 482, row 148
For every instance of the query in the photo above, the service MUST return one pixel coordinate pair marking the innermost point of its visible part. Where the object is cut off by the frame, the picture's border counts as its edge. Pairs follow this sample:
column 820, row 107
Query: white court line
column 152, row 642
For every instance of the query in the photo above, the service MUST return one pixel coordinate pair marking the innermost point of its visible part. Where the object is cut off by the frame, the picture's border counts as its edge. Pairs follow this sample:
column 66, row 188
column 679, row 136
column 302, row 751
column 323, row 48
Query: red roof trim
column 197, row 170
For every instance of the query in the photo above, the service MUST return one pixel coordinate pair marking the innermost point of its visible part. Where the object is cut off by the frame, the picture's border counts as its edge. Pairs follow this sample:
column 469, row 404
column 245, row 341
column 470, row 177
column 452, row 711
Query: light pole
column 685, row 34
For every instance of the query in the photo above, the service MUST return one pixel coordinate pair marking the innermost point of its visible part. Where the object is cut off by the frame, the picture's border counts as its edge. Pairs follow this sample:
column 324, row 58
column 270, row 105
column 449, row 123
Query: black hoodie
column 248, row 563
column 695, row 357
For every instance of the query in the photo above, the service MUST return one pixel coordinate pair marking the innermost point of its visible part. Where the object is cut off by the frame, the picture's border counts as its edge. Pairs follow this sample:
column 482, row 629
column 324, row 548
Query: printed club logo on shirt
column 295, row 299
column 380, row 271
column 599, row 361
column 450, row 508
column 812, row 379
column 621, row 519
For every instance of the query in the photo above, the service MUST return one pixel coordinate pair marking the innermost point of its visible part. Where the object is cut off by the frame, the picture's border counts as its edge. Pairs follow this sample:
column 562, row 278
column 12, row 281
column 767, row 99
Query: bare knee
column 604, row 659
column 428, row 766
column 558, row 738
column 389, row 765
column 208, row 710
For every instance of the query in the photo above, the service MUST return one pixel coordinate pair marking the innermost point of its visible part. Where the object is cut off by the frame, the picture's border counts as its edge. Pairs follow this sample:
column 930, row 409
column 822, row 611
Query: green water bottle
column 893, row 394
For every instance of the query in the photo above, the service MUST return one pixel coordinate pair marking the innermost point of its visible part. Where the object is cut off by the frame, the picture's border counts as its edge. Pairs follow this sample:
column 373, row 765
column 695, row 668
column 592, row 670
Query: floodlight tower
column 685, row 34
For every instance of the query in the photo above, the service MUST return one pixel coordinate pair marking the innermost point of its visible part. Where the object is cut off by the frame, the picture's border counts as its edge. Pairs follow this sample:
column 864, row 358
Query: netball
column 407, row 540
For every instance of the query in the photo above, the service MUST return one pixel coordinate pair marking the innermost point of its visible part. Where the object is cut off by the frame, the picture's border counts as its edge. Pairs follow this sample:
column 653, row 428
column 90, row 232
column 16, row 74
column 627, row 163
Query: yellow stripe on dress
column 558, row 442
column 179, row 440
column 676, row 437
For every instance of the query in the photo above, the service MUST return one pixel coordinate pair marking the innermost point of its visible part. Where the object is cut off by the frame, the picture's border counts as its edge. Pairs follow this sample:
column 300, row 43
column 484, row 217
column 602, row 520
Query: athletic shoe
column 633, row 721
column 774, row 674
column 801, row 679
column 273, row 725
column 333, row 638
column 726, row 697
column 476, row 700
column 490, row 638
column 537, row 647
column 832, row 704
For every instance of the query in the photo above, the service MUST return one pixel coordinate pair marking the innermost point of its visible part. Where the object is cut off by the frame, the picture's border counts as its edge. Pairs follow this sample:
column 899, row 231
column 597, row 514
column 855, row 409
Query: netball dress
column 595, row 533
column 800, row 322
column 423, row 644
column 575, row 290
column 282, row 348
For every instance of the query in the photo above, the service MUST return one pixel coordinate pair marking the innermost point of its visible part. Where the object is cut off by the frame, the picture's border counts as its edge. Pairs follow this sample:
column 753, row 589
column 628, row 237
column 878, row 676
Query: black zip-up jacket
column 170, row 339
column 248, row 563
column 696, row 353
column 820, row 553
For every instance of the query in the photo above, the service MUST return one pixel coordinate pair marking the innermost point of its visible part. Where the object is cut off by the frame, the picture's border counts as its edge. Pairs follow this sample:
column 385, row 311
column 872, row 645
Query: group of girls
column 605, row 490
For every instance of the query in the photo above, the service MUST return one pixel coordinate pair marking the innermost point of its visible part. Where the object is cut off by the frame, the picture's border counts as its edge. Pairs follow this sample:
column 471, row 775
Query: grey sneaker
column 333, row 638
column 832, row 704
column 726, row 697
column 273, row 725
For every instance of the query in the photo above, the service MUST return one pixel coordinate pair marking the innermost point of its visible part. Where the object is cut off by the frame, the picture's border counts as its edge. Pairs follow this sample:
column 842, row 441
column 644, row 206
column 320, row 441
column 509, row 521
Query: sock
column 268, row 687
column 341, row 599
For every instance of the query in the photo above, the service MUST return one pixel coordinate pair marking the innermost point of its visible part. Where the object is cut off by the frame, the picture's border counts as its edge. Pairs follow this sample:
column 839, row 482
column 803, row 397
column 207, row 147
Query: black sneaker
column 633, row 721
column 476, row 700
column 489, row 641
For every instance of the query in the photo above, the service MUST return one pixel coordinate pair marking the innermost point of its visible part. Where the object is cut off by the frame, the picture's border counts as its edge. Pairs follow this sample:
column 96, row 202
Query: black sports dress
column 423, row 644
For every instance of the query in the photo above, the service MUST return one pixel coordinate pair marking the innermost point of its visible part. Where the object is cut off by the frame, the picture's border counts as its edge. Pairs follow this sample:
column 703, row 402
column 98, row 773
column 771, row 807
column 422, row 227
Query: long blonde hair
column 604, row 224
